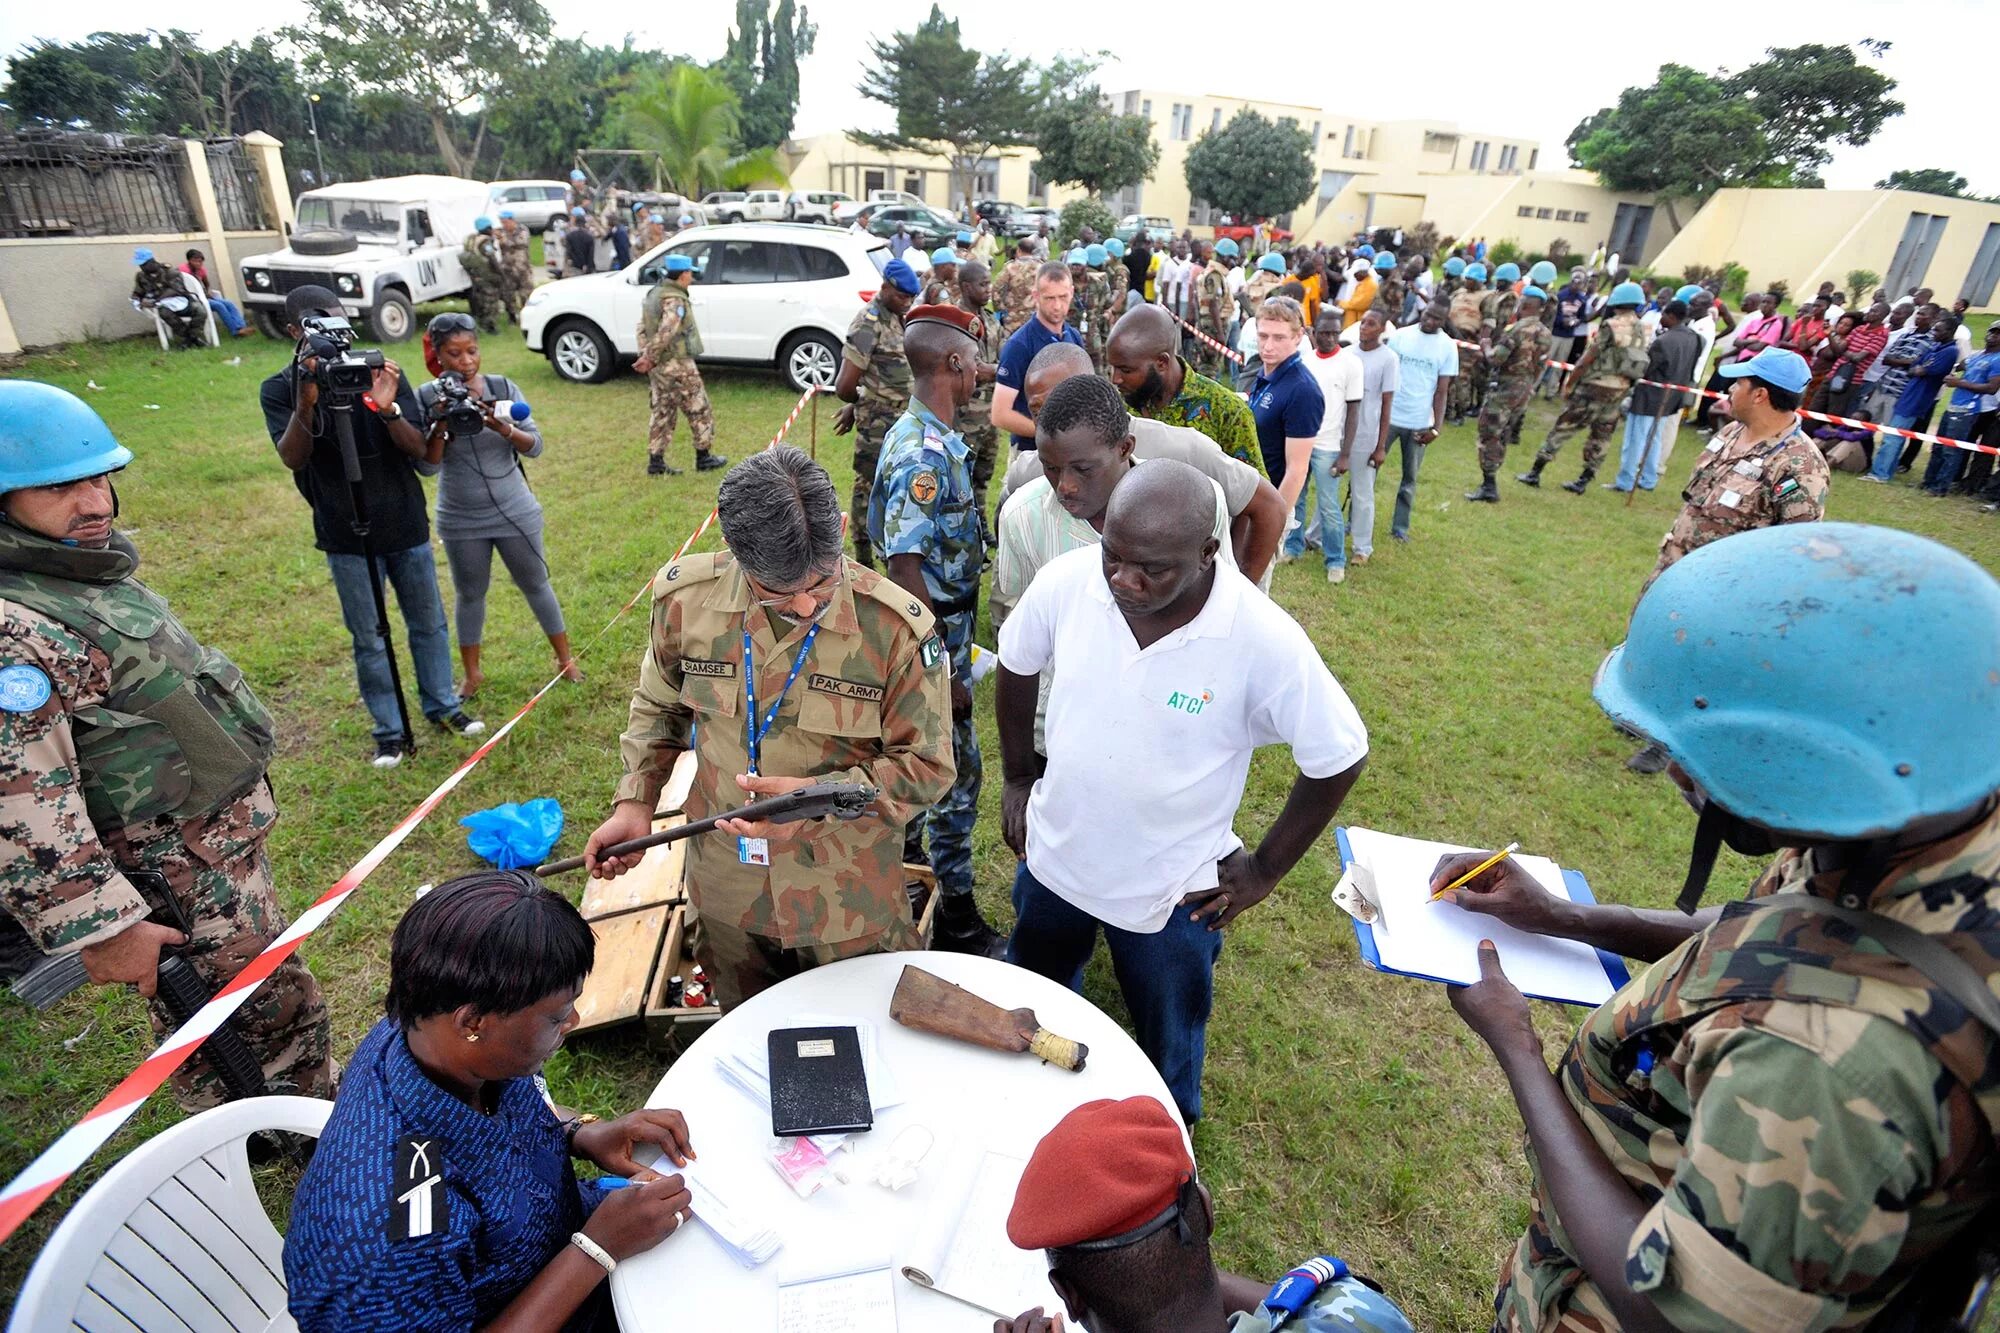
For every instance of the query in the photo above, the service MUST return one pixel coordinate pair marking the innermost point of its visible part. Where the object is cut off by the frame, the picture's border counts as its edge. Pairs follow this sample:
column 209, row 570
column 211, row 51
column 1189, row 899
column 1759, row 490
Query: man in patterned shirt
column 1158, row 383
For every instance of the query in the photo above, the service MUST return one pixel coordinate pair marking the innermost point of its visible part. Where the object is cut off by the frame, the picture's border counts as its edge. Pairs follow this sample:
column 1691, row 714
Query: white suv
column 763, row 294
column 535, row 203
column 815, row 206
column 745, row 205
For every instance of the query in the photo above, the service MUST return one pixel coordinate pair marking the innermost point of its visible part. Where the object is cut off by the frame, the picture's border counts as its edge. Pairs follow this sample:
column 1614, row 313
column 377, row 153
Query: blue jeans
column 1167, row 978
column 1641, row 451
column 1406, row 492
column 413, row 575
column 226, row 311
column 1322, row 488
column 1889, row 448
column 1947, row 462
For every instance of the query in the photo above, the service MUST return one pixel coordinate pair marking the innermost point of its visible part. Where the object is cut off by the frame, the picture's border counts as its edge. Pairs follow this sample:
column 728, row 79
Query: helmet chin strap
column 1708, row 830
column 1717, row 826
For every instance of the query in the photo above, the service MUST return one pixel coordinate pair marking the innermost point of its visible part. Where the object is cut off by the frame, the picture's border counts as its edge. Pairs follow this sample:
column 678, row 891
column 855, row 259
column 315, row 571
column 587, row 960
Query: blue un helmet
column 1454, row 266
column 1115, row 248
column 1078, row 256
column 944, row 254
column 1272, row 262
column 1365, row 252
column 1737, row 664
column 482, row 223
column 49, row 436
column 506, row 213
column 1532, row 290
column 1475, row 272
column 1384, row 261
column 1095, row 255
column 1627, row 293
column 1542, row 274
column 1508, row 272
column 963, row 238
column 1228, row 248
column 1689, row 292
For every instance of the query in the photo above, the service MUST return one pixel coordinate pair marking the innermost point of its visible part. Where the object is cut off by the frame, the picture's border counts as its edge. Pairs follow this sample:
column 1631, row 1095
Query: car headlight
column 535, row 296
column 260, row 278
column 349, row 284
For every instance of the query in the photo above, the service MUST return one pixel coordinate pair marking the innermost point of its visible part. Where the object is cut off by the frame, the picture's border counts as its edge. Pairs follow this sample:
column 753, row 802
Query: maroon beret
column 956, row 316
column 1105, row 1169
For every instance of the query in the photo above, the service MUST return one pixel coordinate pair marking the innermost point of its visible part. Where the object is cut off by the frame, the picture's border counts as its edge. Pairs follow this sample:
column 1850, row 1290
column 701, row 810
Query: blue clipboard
column 1573, row 881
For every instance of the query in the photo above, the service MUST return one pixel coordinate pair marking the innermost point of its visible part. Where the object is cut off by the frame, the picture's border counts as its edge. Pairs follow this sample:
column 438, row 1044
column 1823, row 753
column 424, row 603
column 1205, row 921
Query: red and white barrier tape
column 46, row 1174
column 1235, row 356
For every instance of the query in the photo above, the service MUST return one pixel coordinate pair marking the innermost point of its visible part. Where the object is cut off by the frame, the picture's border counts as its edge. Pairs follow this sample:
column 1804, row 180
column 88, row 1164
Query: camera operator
column 483, row 500
column 390, row 447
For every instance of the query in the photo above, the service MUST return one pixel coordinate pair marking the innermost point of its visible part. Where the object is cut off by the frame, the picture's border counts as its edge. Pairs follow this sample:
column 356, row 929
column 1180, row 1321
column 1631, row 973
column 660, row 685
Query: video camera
column 455, row 407
column 343, row 371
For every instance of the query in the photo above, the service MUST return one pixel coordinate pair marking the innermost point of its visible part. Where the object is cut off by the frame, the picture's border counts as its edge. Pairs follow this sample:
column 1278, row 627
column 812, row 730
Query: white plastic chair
column 173, row 1237
column 197, row 293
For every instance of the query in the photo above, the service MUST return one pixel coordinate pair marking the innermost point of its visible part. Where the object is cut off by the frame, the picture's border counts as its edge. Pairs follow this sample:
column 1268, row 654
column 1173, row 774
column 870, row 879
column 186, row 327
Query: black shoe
column 389, row 753
column 1652, row 759
column 1488, row 492
column 959, row 928
column 709, row 462
column 1582, row 483
column 1533, row 476
column 465, row 726
column 656, row 466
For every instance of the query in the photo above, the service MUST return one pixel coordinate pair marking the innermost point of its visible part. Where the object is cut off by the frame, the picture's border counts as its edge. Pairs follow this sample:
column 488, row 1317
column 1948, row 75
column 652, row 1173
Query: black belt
column 969, row 602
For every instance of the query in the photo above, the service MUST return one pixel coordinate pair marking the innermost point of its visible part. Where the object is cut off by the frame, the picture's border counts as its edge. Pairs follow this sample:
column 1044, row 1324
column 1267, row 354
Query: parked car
column 382, row 246
column 1028, row 221
column 1158, row 229
column 672, row 207
column 815, row 205
column 926, row 226
column 1245, row 231
column 995, row 212
column 879, row 197
column 745, row 205
column 764, row 294
column 534, row 203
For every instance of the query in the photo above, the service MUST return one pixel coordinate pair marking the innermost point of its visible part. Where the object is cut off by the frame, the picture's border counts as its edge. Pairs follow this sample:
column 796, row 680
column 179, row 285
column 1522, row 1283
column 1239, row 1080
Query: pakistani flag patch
column 933, row 652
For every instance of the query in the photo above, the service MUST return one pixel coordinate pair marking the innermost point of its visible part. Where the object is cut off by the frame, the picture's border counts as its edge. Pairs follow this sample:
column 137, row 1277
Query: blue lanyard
column 752, row 733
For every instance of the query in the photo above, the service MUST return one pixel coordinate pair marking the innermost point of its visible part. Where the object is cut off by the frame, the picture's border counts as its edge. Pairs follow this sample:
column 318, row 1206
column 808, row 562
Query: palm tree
column 689, row 117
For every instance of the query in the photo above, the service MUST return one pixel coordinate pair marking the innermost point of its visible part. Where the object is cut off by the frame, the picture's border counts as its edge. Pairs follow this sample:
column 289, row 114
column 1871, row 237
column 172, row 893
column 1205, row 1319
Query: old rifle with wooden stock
column 932, row 1004
column 842, row 800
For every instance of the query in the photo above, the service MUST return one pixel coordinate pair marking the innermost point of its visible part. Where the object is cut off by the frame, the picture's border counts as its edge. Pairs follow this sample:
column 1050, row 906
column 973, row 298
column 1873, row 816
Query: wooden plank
column 673, row 962
column 927, row 914
column 673, row 796
column 655, row 881
column 615, row 991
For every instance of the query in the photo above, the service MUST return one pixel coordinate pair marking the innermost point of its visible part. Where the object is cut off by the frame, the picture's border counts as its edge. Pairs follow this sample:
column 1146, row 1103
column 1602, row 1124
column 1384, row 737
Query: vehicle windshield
column 365, row 218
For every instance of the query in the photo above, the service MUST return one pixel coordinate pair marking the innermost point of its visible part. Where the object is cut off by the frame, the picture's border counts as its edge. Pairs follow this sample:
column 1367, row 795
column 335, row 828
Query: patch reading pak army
column 419, row 1206
column 933, row 652
column 23, row 688
column 924, row 487
column 846, row 689
column 695, row 666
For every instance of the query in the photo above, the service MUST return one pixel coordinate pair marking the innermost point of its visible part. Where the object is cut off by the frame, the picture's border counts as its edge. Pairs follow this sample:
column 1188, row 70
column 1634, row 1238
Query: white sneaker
column 1336, row 574
column 388, row 754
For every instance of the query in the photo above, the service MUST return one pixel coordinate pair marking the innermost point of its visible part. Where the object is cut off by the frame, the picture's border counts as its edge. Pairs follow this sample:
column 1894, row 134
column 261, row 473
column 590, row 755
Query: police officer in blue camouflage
column 923, row 519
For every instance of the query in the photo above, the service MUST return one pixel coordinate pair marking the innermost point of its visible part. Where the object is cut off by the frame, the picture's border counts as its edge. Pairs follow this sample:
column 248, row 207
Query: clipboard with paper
column 1388, row 877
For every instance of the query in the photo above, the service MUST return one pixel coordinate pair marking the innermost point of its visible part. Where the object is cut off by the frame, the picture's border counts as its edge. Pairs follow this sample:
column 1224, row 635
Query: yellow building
column 841, row 162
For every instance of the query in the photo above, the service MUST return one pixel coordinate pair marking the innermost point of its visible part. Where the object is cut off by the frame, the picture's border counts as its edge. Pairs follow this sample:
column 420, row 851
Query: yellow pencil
column 1479, row 869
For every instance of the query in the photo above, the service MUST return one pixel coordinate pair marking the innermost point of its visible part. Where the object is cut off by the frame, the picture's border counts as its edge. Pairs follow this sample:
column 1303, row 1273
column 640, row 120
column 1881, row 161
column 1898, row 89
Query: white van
column 535, row 203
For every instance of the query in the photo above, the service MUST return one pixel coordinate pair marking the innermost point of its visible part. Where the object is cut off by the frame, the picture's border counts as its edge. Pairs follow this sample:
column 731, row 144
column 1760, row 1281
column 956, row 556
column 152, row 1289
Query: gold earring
column 472, row 1036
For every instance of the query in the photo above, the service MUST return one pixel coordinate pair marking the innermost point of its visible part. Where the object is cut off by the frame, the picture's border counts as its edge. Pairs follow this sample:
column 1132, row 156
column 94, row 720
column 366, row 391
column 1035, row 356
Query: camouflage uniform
column 1620, row 360
column 872, row 704
column 975, row 419
column 134, row 748
column 1014, row 294
column 1517, row 363
column 1098, row 301
column 1462, row 322
column 1392, row 291
column 1213, row 304
column 875, row 347
column 669, row 335
column 488, row 295
column 923, row 505
column 156, row 283
column 1808, row 1132
column 938, row 292
column 1739, row 485
column 512, row 239
column 649, row 234
column 1346, row 1305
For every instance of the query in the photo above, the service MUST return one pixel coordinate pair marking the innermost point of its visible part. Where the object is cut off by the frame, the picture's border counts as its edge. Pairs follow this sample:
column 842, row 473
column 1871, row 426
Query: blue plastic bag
column 512, row 836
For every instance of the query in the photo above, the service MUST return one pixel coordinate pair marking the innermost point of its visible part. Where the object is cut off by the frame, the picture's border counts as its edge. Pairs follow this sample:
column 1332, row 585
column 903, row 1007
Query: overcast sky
column 1428, row 70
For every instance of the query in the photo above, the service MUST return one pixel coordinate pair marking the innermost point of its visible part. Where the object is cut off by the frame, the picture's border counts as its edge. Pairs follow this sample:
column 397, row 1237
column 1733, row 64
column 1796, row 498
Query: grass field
column 1349, row 1112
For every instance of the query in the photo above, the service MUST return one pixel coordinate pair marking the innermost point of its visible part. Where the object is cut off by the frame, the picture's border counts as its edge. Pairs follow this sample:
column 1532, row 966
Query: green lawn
column 1348, row 1112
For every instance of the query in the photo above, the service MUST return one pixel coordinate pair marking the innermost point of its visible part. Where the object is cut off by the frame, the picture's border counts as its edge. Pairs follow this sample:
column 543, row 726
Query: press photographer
column 478, row 431
column 373, row 515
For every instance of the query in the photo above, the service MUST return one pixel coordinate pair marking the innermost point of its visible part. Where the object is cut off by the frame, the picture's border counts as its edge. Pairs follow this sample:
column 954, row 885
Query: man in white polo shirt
column 1168, row 668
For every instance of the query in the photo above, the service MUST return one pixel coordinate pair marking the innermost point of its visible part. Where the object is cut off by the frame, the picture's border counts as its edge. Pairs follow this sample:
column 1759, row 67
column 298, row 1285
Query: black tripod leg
column 375, row 580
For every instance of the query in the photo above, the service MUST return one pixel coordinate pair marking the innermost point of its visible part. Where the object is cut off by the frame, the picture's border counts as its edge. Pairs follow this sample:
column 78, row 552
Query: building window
column 1525, row 211
column 1509, row 155
column 913, row 184
column 1545, row 213
column 1316, row 125
column 872, row 181
column 1534, row 154
column 1347, row 144
column 1215, row 121
column 1181, row 123
column 1131, row 103
column 1479, row 151
column 986, row 179
column 1440, row 143
column 1332, row 183
column 1562, row 215
column 1582, row 216
column 1038, row 189
column 1146, row 108
column 1200, row 212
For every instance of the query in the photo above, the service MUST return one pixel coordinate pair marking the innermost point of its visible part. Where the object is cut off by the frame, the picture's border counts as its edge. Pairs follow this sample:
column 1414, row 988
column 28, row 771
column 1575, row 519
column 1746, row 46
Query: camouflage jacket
column 922, row 504
column 939, row 292
column 123, row 740
column 871, row 704
column 481, row 256
column 1519, row 354
column 1391, row 292
column 1620, row 344
column 667, row 331
column 513, row 243
column 875, row 347
column 979, row 411
column 1463, row 315
column 1097, row 301
column 1256, row 287
column 1741, row 484
column 157, row 283
column 1214, row 299
column 1014, row 292
column 1811, row 1126
column 1496, row 308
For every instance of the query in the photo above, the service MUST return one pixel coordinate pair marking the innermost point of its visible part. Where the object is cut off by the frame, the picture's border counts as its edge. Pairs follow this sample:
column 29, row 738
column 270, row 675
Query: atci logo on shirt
column 1189, row 703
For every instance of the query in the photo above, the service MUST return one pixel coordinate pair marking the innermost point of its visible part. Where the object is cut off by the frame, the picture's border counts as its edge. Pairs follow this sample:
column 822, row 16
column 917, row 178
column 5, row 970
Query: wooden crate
column 677, row 1024
column 655, row 881
column 628, row 946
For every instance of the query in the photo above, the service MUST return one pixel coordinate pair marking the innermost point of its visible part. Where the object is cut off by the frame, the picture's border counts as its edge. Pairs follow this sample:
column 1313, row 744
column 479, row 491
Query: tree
column 1684, row 137
column 1926, row 180
column 547, row 109
column 1811, row 98
column 1081, row 141
column 761, row 63
column 689, row 117
column 1252, row 167
column 440, row 54
column 100, row 83
column 1084, row 212
column 948, row 100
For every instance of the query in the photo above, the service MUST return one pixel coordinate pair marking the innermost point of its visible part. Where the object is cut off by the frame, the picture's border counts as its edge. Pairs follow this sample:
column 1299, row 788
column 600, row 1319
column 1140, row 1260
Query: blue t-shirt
column 1423, row 358
column 418, row 1212
column 1920, row 392
column 1027, row 340
column 1287, row 404
column 1978, row 370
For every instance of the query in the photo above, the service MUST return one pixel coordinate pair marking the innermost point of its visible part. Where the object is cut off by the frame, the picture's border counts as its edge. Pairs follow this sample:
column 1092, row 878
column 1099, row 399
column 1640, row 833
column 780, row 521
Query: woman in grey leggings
column 484, row 504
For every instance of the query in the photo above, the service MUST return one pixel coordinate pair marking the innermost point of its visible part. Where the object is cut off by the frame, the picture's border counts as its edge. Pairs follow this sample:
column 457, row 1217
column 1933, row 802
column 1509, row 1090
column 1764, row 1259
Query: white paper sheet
column 860, row 1301
column 963, row 1250
column 1442, row 940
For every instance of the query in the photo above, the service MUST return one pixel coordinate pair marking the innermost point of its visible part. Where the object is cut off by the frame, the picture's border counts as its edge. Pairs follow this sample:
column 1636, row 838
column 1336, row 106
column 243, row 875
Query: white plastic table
column 971, row 1098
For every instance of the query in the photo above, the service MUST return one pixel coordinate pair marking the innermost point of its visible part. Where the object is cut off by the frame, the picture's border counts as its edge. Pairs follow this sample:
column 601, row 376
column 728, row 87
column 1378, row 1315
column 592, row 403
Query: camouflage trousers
column 740, row 964
column 950, row 821
column 1500, row 422
column 1468, row 389
column 676, row 388
column 520, row 282
column 1596, row 406
column 488, row 301
column 1211, row 362
column 871, row 423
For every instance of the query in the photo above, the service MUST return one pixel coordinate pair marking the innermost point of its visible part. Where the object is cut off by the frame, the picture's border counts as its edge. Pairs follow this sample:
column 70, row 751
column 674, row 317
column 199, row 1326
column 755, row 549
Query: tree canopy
column 761, row 65
column 1926, row 180
column 689, row 117
column 1811, row 98
column 1252, row 167
column 1081, row 141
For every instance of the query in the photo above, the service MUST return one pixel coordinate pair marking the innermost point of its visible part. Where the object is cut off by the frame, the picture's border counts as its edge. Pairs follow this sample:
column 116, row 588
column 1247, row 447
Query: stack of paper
column 748, row 1065
column 857, row 1296
column 747, row 1242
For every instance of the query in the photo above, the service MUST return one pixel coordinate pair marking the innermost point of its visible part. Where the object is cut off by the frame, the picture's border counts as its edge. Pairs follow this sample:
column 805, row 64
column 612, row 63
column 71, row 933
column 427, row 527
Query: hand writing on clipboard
column 1493, row 1006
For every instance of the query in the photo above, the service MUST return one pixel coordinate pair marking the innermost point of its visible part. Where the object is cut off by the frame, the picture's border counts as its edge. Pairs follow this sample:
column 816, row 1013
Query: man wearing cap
column 924, row 520
column 942, row 289
column 132, row 758
column 517, row 279
column 159, row 290
column 975, row 419
column 874, row 382
column 1515, row 363
column 480, row 256
column 1112, row 1196
column 1781, row 1121
column 1214, row 306
column 1167, row 669
column 669, row 342
column 1157, row 382
column 1053, row 292
column 1614, row 361
column 1462, row 318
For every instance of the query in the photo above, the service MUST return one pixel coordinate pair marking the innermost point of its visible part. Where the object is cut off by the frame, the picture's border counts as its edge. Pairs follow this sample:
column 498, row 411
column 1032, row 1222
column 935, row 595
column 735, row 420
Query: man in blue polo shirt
column 1054, row 289
column 1286, row 399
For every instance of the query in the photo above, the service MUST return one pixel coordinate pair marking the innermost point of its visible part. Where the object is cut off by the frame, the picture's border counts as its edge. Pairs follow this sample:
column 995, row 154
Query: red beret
column 957, row 316
column 1105, row 1169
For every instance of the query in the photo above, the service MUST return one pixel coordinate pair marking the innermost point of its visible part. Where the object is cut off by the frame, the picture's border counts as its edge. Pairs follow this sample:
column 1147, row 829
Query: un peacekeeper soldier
column 924, row 520
column 518, row 279
column 942, row 289
column 1454, row 269
column 1078, row 260
column 1496, row 308
column 1614, row 361
column 669, row 341
column 1516, row 361
column 1213, row 304
column 1014, row 288
column 874, row 382
column 1113, row 1199
column 868, row 704
column 1391, row 291
column 1777, row 1123
column 481, row 257
column 1099, row 303
column 1463, row 317
column 975, row 419
column 132, row 757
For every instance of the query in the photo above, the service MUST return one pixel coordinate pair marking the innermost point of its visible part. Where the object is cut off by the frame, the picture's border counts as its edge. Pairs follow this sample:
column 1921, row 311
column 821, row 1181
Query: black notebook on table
column 818, row 1084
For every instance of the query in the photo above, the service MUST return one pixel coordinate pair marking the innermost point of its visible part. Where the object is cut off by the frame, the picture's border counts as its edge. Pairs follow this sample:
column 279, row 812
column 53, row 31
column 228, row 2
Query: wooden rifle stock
column 932, row 1004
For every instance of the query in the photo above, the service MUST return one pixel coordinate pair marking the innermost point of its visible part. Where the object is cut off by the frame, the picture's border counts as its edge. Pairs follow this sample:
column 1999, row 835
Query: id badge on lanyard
column 757, row 851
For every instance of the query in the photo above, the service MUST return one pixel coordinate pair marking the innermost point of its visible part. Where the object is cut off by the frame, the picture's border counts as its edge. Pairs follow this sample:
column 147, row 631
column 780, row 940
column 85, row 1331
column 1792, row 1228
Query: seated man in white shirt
column 1168, row 669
